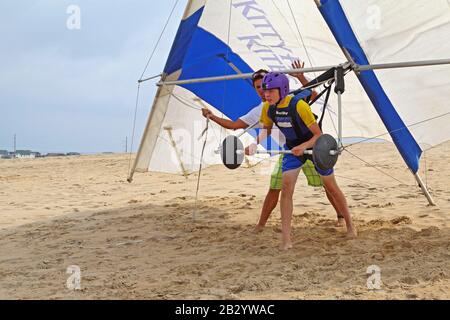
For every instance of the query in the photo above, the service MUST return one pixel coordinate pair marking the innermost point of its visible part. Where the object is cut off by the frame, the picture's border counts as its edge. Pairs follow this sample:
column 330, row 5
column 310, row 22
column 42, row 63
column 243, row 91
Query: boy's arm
column 315, row 129
column 305, row 113
column 263, row 134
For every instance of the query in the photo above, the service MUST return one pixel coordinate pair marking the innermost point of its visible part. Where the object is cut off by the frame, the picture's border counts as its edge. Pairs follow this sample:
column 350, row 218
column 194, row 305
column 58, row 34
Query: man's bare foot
column 258, row 229
column 351, row 232
column 340, row 222
column 286, row 245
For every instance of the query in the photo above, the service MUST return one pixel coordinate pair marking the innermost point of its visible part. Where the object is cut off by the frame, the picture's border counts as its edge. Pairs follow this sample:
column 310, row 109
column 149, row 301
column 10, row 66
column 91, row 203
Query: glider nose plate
column 230, row 157
column 321, row 155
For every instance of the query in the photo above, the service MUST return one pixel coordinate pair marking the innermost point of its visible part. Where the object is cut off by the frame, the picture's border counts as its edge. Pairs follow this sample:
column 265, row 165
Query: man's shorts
column 291, row 162
column 276, row 179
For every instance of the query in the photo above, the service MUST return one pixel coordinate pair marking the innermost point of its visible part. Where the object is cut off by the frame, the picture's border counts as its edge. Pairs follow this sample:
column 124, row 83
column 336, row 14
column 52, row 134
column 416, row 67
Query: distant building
column 55, row 155
column 23, row 154
column 73, row 154
column 4, row 154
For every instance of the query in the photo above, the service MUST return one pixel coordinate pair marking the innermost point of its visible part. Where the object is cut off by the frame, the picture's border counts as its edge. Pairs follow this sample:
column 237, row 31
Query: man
column 296, row 121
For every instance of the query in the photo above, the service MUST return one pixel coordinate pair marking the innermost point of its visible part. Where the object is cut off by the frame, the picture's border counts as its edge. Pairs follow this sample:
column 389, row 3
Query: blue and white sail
column 227, row 37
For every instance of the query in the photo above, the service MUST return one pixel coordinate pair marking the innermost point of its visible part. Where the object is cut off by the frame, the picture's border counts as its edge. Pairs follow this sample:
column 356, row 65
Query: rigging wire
column 389, row 132
column 399, row 129
column 192, row 106
column 159, row 39
column 227, row 55
column 134, row 125
column 307, row 53
column 357, row 180
column 376, row 168
column 365, row 140
column 301, row 37
column 200, row 169
column 185, row 102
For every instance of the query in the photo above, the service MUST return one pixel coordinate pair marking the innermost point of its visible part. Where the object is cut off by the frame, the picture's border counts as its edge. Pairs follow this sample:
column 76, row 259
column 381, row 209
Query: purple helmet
column 276, row 80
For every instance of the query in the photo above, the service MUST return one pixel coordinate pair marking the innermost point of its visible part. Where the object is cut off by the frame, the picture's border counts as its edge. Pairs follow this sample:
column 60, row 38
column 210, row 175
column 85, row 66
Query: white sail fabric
column 271, row 34
column 404, row 31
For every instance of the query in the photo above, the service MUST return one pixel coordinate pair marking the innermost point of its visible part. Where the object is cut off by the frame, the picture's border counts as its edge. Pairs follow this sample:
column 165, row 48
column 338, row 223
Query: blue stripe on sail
column 200, row 54
column 182, row 40
column 337, row 21
column 208, row 56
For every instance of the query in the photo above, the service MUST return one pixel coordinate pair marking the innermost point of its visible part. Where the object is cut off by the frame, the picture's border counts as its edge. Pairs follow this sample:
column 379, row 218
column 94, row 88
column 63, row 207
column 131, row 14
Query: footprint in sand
column 431, row 231
column 380, row 205
column 401, row 220
column 409, row 280
column 406, row 196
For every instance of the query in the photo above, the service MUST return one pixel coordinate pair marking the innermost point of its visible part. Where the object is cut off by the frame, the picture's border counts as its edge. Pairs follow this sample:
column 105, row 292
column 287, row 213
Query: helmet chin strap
column 279, row 94
column 276, row 103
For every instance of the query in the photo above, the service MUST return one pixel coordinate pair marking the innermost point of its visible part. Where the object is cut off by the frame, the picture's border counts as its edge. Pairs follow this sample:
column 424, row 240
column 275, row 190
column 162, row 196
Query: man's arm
column 301, row 77
column 228, row 124
column 225, row 123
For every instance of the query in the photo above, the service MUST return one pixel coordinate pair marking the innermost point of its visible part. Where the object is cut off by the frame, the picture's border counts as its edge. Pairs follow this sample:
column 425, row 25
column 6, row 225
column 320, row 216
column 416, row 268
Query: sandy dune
column 138, row 240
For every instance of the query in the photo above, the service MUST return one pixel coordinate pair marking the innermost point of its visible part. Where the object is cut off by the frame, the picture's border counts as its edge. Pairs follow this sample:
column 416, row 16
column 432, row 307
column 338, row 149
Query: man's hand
column 251, row 149
column 298, row 150
column 207, row 113
column 296, row 64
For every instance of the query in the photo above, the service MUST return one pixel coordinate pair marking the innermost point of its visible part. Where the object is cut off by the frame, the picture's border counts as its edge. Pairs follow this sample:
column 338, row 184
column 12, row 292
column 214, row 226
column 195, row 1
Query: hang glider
column 220, row 43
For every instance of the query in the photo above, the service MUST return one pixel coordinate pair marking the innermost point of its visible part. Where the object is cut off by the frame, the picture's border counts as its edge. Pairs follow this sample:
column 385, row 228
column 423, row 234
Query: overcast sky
column 64, row 89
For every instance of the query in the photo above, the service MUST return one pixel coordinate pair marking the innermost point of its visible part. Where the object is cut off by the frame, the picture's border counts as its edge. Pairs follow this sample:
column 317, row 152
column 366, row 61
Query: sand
column 139, row 241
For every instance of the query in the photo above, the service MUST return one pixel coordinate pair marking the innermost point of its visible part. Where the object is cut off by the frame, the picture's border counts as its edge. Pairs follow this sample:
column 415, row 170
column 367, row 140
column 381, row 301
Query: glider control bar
column 324, row 153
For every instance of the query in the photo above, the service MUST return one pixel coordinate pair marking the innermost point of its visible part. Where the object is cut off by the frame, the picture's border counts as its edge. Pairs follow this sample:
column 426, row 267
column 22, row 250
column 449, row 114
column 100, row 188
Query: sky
column 69, row 84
